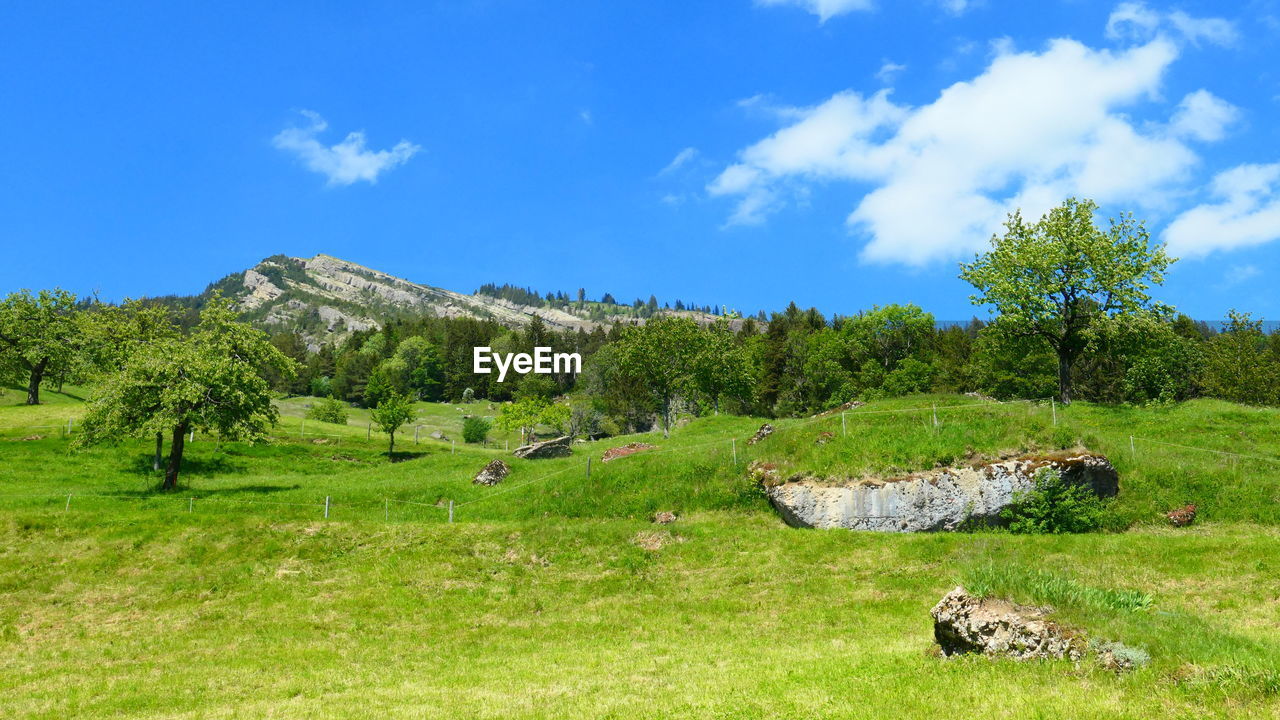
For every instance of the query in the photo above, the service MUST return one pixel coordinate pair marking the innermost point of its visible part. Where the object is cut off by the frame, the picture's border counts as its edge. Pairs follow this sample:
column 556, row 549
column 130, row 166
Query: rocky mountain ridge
column 325, row 299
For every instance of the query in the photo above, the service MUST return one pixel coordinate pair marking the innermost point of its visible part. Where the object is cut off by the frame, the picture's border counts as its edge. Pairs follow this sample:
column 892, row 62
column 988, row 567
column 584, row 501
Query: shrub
column 468, row 395
column 1053, row 506
column 328, row 410
column 475, row 430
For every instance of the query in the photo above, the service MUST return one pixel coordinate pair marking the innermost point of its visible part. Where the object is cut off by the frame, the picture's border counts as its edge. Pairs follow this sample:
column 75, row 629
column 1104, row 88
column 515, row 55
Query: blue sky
column 839, row 153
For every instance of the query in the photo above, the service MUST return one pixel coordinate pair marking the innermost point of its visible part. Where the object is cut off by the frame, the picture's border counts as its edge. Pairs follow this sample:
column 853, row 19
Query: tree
column 1238, row 365
column 525, row 414
column 1052, row 278
column 394, row 411
column 39, row 334
column 213, row 380
column 662, row 356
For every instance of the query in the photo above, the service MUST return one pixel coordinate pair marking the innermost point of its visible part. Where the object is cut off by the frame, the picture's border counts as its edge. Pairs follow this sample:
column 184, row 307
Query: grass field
column 552, row 595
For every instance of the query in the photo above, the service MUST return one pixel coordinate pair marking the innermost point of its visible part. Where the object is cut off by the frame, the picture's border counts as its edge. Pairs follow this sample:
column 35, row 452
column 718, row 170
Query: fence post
column 935, row 414
column 844, row 431
column 415, row 434
column 68, row 507
column 68, row 426
column 453, row 446
column 1053, row 403
column 193, row 435
column 386, row 509
column 1132, row 450
column 368, row 432
column 191, row 504
column 734, row 442
column 326, row 507
column 506, row 445
column 302, row 429
column 450, row 511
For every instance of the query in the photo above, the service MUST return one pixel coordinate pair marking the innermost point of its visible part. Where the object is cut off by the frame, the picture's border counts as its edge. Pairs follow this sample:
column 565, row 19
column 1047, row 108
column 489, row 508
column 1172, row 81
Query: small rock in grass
column 664, row 518
column 963, row 623
column 492, row 474
column 559, row 447
column 1182, row 517
column 824, row 437
column 764, row 473
column 625, row 450
column 765, row 431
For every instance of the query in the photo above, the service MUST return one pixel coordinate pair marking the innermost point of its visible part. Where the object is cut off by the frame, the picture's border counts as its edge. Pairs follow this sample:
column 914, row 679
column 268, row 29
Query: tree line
column 1073, row 318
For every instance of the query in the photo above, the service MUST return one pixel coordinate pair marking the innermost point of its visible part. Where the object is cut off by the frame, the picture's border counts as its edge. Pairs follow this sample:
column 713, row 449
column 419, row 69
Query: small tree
column 475, row 430
column 522, row 415
column 394, row 411
column 39, row 334
column 1050, row 279
column 212, row 380
column 330, row 410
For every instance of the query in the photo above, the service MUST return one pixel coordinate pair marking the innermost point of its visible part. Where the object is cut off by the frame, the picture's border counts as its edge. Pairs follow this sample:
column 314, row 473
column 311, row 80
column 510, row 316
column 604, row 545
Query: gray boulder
column 940, row 499
column 558, row 447
column 765, row 431
column 963, row 623
column 492, row 474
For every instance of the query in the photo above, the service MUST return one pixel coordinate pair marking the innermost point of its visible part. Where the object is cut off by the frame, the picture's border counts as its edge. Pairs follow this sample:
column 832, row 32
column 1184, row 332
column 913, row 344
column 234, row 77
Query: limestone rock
column 625, row 450
column 664, row 518
column 765, row 431
column 558, row 447
column 1183, row 516
column 437, row 435
column 492, row 474
column 963, row 623
column 941, row 499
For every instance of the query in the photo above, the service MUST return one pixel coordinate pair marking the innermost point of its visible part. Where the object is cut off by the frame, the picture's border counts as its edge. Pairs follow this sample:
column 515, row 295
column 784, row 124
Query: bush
column 1054, row 507
column 328, row 410
column 475, row 430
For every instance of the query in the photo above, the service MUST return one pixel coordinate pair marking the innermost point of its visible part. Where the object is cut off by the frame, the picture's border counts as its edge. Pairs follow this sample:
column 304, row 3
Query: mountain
column 325, row 298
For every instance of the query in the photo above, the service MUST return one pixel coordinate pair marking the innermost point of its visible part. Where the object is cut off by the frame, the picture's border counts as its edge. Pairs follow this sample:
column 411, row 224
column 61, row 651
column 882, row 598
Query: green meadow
column 553, row 595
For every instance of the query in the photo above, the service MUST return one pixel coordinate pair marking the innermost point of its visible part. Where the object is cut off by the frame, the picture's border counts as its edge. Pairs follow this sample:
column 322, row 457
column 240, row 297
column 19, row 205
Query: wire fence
column 447, row 510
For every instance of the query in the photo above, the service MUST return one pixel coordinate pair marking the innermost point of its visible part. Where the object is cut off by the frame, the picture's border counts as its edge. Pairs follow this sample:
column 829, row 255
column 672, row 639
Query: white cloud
column 1247, row 213
column 679, row 160
column 346, row 162
column 1237, row 274
column 957, row 7
column 889, row 71
column 586, row 117
column 1031, row 129
column 1137, row 21
column 825, row 9
column 1204, row 116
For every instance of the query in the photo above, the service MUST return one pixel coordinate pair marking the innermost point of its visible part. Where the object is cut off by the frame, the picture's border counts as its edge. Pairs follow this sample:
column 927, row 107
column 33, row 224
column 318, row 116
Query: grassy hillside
column 552, row 595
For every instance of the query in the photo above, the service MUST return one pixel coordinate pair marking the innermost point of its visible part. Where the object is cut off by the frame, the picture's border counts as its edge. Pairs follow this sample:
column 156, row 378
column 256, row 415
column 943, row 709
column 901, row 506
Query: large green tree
column 39, row 334
column 1051, row 279
column 213, row 380
column 663, row 356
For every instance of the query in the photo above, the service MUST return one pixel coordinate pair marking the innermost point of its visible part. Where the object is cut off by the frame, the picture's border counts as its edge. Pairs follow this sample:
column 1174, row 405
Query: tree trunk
column 33, row 385
column 1064, row 378
column 175, row 457
column 155, row 464
column 666, row 418
column 391, row 449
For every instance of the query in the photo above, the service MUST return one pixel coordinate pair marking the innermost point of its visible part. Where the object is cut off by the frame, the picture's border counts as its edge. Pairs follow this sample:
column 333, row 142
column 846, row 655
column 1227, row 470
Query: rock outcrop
column 963, row 623
column 625, row 450
column 765, row 431
column 558, row 447
column 942, row 499
column 492, row 474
